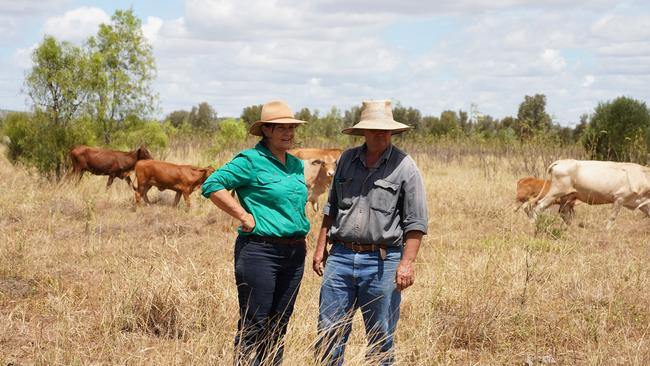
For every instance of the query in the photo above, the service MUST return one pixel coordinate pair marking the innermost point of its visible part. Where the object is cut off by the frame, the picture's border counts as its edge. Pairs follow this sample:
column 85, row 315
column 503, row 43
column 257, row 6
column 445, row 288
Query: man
column 375, row 218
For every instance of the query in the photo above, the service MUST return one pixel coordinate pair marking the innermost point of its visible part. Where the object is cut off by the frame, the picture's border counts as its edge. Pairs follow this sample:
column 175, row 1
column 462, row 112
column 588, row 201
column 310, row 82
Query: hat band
column 276, row 118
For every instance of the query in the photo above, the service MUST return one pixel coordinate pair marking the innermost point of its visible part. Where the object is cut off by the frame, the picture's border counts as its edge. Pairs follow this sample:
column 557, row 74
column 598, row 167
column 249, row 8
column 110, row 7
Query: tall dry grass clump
column 84, row 279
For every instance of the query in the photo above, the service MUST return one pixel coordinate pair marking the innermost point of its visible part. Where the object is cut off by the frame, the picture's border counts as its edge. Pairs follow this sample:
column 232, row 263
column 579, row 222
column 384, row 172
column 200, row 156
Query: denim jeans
column 268, row 279
column 358, row 280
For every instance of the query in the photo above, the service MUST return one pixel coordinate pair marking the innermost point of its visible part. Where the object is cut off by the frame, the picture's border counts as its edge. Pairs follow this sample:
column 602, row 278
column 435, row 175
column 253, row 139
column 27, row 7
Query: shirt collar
column 264, row 151
column 361, row 154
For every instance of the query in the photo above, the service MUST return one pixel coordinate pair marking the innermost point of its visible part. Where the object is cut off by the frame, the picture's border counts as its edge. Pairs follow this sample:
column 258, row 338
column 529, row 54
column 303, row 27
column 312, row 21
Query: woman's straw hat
column 376, row 115
column 276, row 111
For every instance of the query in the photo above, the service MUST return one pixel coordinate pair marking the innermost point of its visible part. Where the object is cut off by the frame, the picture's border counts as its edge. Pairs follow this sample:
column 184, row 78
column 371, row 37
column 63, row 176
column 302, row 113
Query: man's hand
column 318, row 263
column 405, row 275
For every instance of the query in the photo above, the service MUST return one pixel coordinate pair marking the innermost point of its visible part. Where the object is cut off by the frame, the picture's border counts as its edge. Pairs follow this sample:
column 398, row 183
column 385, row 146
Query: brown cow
column 529, row 189
column 320, row 165
column 180, row 178
column 115, row 164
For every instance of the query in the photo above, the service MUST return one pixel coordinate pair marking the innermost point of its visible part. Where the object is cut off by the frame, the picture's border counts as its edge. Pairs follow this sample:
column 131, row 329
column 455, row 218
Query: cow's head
column 206, row 172
column 143, row 153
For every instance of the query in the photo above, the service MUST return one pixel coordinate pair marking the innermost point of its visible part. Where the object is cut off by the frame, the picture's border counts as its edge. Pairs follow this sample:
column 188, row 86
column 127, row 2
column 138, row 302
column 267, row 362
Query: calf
column 320, row 165
column 180, row 178
column 115, row 164
column 530, row 188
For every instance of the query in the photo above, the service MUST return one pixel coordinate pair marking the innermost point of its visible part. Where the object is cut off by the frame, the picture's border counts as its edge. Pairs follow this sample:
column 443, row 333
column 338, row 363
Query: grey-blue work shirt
column 376, row 205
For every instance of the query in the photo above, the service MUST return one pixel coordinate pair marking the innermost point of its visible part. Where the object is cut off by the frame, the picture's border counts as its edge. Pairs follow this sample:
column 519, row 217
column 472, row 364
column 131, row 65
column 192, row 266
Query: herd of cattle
column 184, row 179
column 569, row 181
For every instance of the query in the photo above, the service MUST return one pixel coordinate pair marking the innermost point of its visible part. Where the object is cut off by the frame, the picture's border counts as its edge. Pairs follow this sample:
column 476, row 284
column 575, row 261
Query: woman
column 270, row 248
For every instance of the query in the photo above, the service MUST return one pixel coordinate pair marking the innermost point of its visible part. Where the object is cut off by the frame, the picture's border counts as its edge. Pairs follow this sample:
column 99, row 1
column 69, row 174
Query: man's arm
column 320, row 253
column 405, row 275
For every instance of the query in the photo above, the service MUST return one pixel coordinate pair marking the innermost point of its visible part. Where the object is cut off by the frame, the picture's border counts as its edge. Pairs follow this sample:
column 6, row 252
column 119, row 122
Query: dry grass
column 86, row 280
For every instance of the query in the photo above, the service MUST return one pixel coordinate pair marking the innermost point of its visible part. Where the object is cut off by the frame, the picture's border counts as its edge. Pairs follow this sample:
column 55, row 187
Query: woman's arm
column 229, row 205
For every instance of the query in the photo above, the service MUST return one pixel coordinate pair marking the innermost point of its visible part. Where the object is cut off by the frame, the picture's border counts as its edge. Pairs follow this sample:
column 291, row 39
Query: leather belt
column 362, row 247
column 293, row 240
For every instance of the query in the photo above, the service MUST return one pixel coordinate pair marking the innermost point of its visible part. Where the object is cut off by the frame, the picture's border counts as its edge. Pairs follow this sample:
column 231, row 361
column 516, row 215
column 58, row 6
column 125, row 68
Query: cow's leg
column 186, row 197
column 518, row 205
column 110, row 181
column 127, row 178
column 80, row 174
column 566, row 210
column 560, row 187
column 177, row 198
column 645, row 209
column 615, row 210
column 143, row 193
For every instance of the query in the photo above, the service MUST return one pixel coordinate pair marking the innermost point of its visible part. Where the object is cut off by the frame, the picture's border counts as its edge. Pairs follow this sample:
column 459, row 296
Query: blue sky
column 434, row 56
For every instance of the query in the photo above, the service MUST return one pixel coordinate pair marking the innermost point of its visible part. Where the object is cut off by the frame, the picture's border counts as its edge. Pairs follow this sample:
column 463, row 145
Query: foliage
column 122, row 69
column 532, row 117
column 231, row 132
column 37, row 141
column 57, row 82
column 138, row 132
column 619, row 130
column 203, row 118
column 251, row 114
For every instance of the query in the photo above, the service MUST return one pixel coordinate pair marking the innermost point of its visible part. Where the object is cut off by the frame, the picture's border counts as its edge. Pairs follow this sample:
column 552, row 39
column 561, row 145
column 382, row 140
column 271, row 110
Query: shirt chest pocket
column 266, row 181
column 384, row 196
column 343, row 192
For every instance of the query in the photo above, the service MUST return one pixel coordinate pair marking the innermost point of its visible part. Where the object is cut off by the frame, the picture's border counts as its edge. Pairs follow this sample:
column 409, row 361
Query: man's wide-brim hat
column 276, row 111
column 376, row 115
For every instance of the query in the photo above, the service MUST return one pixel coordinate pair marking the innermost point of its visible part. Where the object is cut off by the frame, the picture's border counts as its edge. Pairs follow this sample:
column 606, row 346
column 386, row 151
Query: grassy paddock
column 86, row 280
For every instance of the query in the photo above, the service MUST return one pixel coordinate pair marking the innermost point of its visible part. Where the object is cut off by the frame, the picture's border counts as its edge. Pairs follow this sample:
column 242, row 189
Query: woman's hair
column 272, row 125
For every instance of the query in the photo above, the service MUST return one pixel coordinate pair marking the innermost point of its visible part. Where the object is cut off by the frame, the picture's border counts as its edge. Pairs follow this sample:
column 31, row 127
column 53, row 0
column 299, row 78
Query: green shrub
column 230, row 133
column 136, row 132
column 37, row 142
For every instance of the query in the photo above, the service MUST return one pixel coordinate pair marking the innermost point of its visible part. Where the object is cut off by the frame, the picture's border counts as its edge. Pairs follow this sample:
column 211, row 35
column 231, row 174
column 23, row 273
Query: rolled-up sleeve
column 415, row 213
column 232, row 175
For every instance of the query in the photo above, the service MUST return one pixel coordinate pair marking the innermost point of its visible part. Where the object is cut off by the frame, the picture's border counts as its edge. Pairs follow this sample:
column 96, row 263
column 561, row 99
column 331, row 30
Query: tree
column 122, row 69
column 58, row 87
column 57, row 81
column 619, row 130
column 251, row 114
column 203, row 117
column 409, row 116
column 352, row 117
column 178, row 118
column 532, row 117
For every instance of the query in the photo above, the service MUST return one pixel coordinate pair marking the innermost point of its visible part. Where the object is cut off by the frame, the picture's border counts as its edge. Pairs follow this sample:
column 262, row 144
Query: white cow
column 596, row 183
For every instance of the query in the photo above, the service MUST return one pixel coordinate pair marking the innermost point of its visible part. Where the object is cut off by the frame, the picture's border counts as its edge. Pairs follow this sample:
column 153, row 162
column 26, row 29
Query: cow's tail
column 547, row 181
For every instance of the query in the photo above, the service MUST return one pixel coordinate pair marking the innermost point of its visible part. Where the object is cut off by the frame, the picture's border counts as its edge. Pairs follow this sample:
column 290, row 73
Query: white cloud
column 553, row 59
column 76, row 25
column 30, row 7
column 151, row 28
column 588, row 81
column 22, row 57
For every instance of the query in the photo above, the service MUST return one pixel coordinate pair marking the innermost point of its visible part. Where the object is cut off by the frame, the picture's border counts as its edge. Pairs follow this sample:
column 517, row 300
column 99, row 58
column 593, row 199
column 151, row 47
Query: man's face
column 377, row 139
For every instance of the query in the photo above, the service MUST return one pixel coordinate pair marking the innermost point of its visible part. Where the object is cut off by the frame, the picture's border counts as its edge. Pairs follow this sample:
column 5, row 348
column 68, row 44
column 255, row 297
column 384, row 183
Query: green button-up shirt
column 274, row 193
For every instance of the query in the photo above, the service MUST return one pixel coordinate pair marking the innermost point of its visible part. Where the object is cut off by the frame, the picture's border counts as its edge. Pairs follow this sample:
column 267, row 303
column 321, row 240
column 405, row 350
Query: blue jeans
column 358, row 280
column 268, row 279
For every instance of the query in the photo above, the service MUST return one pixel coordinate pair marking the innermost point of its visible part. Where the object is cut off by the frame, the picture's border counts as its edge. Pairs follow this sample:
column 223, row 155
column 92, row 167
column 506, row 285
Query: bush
column 136, row 132
column 230, row 133
column 37, row 142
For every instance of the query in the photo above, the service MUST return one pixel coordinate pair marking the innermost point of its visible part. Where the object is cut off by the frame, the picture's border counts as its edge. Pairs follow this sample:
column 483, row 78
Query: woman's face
column 280, row 136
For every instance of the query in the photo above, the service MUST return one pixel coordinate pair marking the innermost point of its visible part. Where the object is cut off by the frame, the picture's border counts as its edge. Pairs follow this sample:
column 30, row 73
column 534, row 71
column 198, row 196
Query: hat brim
column 256, row 128
column 385, row 125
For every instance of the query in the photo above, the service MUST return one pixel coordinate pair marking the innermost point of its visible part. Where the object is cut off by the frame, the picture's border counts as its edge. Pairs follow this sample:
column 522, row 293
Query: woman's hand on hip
column 247, row 223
